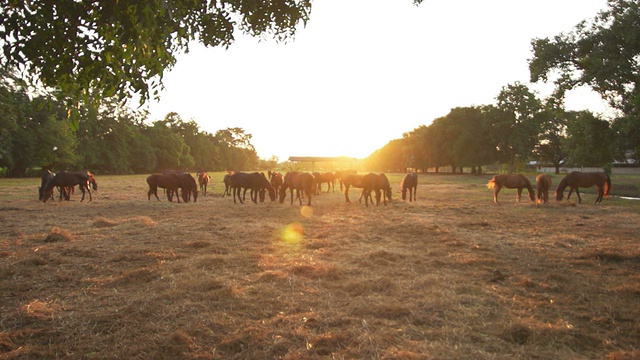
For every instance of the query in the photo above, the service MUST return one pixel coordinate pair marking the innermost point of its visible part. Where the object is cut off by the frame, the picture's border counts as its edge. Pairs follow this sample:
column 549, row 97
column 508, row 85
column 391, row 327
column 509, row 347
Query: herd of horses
column 304, row 185
column 574, row 180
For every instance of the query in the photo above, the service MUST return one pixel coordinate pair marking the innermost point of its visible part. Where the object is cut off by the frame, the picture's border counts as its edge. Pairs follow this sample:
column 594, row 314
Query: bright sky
column 363, row 72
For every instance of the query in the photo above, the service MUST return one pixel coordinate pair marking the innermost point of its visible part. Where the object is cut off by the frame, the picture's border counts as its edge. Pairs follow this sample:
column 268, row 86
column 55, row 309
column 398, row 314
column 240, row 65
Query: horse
column 227, row 183
column 329, row 178
column 543, row 184
column 256, row 182
column 340, row 174
column 377, row 183
column 510, row 181
column 169, row 181
column 409, row 182
column 188, row 187
column 46, row 177
column 300, row 182
column 203, row 181
column 319, row 179
column 576, row 179
column 275, row 178
column 350, row 180
column 69, row 179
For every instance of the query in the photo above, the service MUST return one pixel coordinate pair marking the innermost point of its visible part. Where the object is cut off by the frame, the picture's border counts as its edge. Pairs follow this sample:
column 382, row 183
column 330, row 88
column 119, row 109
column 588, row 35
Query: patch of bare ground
column 451, row 276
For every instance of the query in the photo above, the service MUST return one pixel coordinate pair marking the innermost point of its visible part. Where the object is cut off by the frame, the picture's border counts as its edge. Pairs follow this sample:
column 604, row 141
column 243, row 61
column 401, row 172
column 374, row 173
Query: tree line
column 519, row 128
column 36, row 132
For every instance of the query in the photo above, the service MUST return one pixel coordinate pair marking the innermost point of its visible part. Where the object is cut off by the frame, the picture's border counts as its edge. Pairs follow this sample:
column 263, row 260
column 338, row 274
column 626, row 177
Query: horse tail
column 607, row 185
column 491, row 183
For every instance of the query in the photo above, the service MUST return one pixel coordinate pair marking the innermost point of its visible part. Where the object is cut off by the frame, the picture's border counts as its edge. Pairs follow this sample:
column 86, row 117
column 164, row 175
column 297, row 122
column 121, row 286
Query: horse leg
column 82, row 189
column 346, row 192
column 519, row 194
column 600, row 194
column 578, row 194
column 495, row 194
column 378, row 195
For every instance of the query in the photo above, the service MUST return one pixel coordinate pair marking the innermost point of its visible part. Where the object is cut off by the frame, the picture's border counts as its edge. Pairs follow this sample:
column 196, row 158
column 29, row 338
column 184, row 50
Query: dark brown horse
column 188, row 187
column 410, row 183
column 577, row 179
column 227, row 183
column 84, row 180
column 203, row 181
column 330, row 179
column 340, row 174
column 543, row 184
column 378, row 183
column 275, row 178
column 168, row 181
column 46, row 177
column 510, row 181
column 300, row 182
column 256, row 182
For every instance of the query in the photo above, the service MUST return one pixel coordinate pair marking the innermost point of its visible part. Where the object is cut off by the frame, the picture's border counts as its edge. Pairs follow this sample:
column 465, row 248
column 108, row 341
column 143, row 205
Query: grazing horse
column 188, row 187
column 46, row 177
column 203, row 181
column 543, row 184
column 350, row 180
column 300, row 182
column 275, row 178
column 69, row 179
column 409, row 182
column 256, row 182
column 169, row 181
column 510, row 181
column 340, row 174
column 576, row 179
column 377, row 183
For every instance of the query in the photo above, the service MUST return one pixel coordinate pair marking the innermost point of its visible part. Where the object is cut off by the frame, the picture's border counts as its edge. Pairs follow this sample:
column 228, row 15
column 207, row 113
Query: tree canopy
column 601, row 53
column 122, row 48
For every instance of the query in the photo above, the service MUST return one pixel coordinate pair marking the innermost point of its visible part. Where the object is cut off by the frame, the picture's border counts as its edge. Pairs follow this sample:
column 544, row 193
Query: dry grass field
column 451, row 276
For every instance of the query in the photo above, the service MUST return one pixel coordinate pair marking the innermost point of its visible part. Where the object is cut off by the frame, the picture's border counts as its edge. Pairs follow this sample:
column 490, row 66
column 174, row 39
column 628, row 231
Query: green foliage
column 601, row 53
column 119, row 48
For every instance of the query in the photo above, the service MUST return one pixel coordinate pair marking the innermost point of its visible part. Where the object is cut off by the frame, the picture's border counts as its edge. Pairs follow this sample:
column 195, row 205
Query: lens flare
column 292, row 233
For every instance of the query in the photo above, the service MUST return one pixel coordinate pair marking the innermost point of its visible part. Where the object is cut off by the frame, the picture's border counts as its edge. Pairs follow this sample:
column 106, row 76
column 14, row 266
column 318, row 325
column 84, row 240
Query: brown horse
column 84, row 180
column 379, row 183
column 256, row 182
column 510, row 181
column 203, row 181
column 409, row 182
column 340, row 174
column 576, row 179
column 169, row 181
column 543, row 184
column 348, row 181
column 330, row 179
column 300, row 182
column 227, row 183
column 275, row 178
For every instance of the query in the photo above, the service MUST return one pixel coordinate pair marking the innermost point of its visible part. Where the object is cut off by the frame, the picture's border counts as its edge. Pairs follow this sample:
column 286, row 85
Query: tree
column 589, row 140
column 553, row 124
column 123, row 48
column 515, row 123
column 602, row 53
column 470, row 145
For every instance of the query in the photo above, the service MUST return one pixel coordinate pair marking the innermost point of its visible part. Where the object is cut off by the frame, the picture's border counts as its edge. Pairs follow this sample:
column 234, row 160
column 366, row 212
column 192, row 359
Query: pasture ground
column 451, row 276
